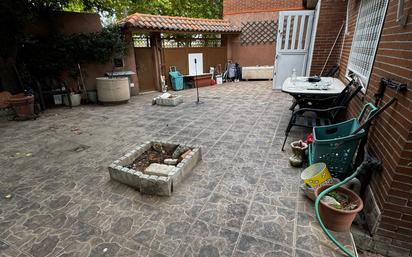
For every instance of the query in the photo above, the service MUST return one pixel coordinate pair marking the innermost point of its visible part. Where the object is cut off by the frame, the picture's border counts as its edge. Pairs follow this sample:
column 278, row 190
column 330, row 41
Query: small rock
column 170, row 161
column 332, row 202
column 159, row 169
column 8, row 196
column 179, row 151
column 165, row 95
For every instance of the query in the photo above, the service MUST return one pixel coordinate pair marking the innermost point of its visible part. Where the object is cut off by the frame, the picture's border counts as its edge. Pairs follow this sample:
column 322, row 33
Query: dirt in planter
column 156, row 154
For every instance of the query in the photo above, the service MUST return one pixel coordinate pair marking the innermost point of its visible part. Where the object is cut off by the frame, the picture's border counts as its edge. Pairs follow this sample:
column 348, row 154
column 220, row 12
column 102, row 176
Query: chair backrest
column 348, row 93
column 332, row 72
column 344, row 98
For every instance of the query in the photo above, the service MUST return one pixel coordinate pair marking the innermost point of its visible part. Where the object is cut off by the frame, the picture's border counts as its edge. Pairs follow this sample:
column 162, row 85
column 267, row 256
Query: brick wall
column 249, row 6
column 390, row 137
column 332, row 16
column 241, row 11
column 251, row 54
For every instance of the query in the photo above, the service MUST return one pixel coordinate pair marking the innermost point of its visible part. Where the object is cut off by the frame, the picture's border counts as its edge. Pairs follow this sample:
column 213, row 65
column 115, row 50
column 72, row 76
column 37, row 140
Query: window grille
column 366, row 37
column 196, row 40
column 141, row 40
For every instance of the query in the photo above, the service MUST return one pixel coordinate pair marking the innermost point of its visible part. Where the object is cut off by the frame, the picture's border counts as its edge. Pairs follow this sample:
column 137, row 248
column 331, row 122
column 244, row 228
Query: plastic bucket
column 219, row 79
column 316, row 174
column 92, row 95
column 75, row 99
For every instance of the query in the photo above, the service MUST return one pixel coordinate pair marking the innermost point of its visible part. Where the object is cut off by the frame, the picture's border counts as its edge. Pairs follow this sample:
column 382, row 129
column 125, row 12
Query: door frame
column 308, row 40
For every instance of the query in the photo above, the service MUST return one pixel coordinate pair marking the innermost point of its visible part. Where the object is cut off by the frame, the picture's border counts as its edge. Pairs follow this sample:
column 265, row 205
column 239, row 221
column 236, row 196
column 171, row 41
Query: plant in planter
column 339, row 208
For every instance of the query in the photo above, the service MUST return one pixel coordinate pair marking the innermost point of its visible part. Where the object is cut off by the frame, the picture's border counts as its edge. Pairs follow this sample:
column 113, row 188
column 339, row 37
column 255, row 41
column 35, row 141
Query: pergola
column 155, row 25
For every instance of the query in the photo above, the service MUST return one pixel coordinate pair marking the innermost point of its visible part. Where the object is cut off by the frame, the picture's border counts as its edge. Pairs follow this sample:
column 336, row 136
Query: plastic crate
column 336, row 145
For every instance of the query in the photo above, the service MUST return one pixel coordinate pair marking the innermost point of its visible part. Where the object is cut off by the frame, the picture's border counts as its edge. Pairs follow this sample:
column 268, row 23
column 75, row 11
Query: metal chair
column 326, row 111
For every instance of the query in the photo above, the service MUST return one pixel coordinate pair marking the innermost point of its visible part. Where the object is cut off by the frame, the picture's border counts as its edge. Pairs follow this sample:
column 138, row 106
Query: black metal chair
column 326, row 112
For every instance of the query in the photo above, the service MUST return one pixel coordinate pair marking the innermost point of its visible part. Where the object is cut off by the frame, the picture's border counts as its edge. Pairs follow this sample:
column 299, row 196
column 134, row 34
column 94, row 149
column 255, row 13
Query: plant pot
column 23, row 105
column 113, row 90
column 298, row 149
column 74, row 98
column 336, row 219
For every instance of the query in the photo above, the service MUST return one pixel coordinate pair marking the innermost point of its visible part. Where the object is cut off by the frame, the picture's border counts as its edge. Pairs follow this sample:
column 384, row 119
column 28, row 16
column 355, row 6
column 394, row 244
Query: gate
column 292, row 45
column 145, row 66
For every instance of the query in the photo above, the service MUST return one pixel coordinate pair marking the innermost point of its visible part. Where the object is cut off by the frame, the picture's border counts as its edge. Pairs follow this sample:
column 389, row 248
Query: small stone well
column 172, row 100
column 157, row 179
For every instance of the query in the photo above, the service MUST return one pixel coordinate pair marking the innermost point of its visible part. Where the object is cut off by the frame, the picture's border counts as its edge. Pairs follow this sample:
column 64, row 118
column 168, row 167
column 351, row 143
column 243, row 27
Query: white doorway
column 292, row 45
column 195, row 68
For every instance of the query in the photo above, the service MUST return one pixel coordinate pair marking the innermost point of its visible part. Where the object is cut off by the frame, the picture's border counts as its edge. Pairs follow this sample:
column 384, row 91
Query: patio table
column 303, row 89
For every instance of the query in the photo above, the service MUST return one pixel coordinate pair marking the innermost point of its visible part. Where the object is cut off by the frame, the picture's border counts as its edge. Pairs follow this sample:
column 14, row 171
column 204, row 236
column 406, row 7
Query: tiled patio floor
column 241, row 200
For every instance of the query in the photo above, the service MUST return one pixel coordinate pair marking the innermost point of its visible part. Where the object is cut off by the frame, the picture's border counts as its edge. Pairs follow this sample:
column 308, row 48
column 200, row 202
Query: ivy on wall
column 49, row 56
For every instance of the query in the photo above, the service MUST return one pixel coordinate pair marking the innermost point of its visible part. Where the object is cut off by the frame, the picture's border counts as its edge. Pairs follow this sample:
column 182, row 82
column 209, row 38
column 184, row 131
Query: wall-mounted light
column 401, row 18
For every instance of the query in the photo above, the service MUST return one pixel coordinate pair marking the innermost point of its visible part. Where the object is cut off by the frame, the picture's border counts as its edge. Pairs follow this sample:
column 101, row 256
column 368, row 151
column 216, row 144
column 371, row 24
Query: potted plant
column 339, row 208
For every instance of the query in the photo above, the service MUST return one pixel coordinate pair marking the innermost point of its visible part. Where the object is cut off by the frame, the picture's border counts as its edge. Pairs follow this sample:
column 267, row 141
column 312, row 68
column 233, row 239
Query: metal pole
column 197, row 88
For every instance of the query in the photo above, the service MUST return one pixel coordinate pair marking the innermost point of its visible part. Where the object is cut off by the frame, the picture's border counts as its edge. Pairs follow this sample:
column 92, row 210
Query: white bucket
column 57, row 99
column 219, row 79
column 75, row 99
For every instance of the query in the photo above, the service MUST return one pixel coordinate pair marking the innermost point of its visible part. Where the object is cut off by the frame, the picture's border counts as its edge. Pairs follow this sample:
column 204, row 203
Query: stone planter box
column 174, row 101
column 152, row 184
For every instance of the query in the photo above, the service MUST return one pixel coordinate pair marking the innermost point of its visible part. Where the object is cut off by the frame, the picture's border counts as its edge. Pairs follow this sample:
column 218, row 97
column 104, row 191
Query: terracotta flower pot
column 23, row 105
column 337, row 219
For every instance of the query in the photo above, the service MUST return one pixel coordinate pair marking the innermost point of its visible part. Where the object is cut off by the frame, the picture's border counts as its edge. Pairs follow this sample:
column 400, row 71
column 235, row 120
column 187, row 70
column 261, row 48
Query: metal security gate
column 292, row 45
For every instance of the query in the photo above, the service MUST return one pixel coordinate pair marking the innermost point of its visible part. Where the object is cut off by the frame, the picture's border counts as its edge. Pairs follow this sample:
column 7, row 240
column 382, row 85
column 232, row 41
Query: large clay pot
column 336, row 219
column 112, row 90
column 23, row 105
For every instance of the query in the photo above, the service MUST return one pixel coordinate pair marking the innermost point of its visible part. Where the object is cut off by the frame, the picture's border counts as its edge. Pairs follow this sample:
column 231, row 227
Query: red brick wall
column 241, row 11
column 390, row 137
column 251, row 54
column 249, row 6
column 331, row 18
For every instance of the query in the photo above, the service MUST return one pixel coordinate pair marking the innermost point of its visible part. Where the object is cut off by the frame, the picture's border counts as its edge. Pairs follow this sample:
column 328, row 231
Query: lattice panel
column 259, row 32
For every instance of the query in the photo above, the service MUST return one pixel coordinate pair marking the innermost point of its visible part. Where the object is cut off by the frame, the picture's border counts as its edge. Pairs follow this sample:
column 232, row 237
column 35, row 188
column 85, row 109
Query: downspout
column 401, row 18
column 313, row 38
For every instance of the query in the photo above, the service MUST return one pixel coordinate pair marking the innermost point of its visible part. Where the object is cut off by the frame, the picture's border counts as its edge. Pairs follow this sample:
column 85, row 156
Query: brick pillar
column 130, row 62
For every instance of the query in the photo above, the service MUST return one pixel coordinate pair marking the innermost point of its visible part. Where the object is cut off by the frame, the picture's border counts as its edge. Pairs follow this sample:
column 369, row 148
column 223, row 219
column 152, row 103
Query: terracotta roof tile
column 174, row 23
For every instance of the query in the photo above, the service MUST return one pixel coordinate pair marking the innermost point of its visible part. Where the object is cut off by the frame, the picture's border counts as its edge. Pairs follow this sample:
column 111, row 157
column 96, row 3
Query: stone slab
column 159, row 169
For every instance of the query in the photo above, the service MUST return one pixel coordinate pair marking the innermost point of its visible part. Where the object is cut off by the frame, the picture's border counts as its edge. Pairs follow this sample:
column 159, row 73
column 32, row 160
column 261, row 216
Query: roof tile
column 174, row 23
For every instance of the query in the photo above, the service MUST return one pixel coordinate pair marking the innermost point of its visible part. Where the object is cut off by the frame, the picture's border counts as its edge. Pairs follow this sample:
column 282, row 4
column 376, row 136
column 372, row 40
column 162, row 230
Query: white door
column 292, row 44
column 195, row 68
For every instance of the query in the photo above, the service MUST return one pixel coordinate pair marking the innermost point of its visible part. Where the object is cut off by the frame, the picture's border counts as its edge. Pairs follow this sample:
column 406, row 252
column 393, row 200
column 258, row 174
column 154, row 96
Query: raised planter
column 112, row 90
column 336, row 219
column 173, row 100
column 153, row 184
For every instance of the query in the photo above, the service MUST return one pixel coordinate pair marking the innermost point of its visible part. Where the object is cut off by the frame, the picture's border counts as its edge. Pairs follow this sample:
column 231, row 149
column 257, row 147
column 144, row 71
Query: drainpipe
column 401, row 18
